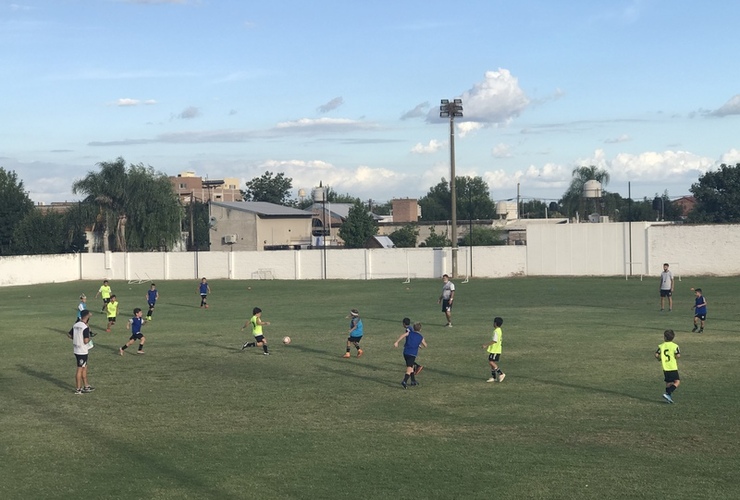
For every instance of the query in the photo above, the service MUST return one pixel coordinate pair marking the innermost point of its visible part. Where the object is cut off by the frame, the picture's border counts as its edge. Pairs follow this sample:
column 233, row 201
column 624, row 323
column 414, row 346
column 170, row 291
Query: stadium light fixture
column 451, row 109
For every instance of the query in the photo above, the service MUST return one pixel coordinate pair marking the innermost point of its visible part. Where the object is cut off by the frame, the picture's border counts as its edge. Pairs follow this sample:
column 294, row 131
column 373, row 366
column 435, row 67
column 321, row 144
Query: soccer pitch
column 580, row 414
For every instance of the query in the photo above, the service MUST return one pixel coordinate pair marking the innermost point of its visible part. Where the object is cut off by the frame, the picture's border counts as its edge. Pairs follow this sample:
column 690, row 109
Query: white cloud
column 732, row 157
column 331, row 105
column 127, row 101
column 323, row 125
column 501, row 150
column 651, row 165
column 362, row 180
column 496, row 100
column 617, row 140
column 418, row 111
column 465, row 128
column 433, row 146
column 731, row 107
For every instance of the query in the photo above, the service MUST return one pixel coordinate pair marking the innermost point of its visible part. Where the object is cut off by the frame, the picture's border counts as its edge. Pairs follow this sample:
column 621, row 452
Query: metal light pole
column 319, row 196
column 452, row 109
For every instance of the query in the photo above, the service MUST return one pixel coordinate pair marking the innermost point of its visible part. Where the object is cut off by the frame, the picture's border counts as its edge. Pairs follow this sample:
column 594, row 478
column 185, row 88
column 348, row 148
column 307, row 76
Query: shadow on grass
column 47, row 377
column 128, row 453
column 231, row 349
column 346, row 373
column 188, row 306
column 592, row 389
column 58, row 330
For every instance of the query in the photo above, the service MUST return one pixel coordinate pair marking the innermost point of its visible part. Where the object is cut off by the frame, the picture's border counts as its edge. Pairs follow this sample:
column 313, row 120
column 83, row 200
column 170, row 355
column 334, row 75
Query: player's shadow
column 57, row 330
column 231, row 349
column 306, row 349
column 43, row 376
column 347, row 373
column 449, row 374
column 188, row 306
column 591, row 389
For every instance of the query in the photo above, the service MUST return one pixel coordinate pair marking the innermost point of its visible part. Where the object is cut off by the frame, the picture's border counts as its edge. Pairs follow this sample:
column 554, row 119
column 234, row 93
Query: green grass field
column 580, row 414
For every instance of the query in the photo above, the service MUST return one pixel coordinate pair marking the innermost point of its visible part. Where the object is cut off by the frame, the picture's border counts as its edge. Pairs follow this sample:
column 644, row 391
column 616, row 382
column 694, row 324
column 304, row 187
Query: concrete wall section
column 33, row 269
column 694, row 250
column 552, row 250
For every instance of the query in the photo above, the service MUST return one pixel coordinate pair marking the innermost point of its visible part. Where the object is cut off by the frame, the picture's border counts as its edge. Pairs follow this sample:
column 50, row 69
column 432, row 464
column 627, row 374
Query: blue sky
column 348, row 92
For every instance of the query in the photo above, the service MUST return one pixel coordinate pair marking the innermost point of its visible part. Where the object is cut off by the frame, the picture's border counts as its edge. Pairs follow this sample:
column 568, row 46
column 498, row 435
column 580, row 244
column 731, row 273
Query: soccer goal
column 139, row 280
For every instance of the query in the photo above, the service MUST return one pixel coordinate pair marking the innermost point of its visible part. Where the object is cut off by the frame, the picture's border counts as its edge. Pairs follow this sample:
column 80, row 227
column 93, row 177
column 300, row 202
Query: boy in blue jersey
column 204, row 290
column 414, row 340
column 355, row 333
column 82, row 306
column 407, row 328
column 700, row 310
column 151, row 299
column 135, row 325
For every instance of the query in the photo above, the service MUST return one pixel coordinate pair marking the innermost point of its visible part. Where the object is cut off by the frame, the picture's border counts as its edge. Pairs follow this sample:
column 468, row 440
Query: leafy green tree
column 358, row 227
column 198, row 212
column 14, row 206
column 571, row 202
column 717, row 196
column 269, row 188
column 137, row 207
column 76, row 221
column 405, row 237
column 483, row 236
column 473, row 200
column 437, row 240
column 40, row 233
column 334, row 197
column 382, row 208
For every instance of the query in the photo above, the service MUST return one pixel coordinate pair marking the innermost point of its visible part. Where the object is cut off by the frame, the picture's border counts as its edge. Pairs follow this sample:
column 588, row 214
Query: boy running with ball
column 257, row 323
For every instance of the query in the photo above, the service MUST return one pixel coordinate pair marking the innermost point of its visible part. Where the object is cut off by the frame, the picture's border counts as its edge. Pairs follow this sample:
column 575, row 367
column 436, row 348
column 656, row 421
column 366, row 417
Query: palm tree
column 571, row 199
column 135, row 197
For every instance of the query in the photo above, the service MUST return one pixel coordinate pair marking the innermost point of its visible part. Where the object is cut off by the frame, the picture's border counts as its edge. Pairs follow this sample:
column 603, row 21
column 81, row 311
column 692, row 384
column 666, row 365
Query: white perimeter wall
column 551, row 250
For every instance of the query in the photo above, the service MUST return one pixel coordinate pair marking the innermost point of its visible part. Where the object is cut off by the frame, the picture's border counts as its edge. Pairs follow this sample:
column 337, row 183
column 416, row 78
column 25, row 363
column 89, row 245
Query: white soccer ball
column 286, row 340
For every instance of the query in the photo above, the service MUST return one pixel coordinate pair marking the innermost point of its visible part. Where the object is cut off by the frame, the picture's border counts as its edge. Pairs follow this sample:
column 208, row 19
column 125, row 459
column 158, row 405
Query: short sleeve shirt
column 447, row 290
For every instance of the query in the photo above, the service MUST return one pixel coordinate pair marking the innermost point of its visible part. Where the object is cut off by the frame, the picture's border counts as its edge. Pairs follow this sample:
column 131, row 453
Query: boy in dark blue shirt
column 135, row 325
column 204, row 290
column 700, row 310
column 410, row 350
column 151, row 298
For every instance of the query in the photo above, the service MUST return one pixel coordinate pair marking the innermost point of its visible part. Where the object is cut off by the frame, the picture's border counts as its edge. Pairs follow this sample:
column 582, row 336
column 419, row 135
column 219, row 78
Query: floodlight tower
column 451, row 109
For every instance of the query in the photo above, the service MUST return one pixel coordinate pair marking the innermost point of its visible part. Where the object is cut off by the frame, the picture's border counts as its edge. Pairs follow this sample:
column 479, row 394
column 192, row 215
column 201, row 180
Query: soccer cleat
column 139, row 352
column 347, row 355
column 120, row 351
column 414, row 383
column 418, row 370
column 360, row 352
column 266, row 353
column 701, row 330
column 491, row 380
column 107, row 330
column 501, row 377
column 695, row 329
column 148, row 318
column 88, row 389
column 668, row 397
column 403, row 384
column 79, row 391
column 449, row 325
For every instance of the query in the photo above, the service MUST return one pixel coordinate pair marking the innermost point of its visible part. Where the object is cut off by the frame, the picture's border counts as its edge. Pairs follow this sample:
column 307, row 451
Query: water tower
column 502, row 209
column 592, row 191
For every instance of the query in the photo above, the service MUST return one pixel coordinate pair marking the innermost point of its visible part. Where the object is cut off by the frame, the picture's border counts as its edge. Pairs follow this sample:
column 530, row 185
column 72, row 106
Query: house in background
column 258, row 225
column 189, row 186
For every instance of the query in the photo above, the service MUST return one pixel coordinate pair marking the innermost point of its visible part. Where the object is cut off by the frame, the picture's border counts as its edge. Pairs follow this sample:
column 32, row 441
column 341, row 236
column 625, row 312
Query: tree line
column 135, row 208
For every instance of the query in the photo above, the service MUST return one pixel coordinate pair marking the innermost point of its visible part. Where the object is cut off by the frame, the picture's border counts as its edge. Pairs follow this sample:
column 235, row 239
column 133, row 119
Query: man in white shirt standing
column 448, row 295
column 81, row 336
column 666, row 287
